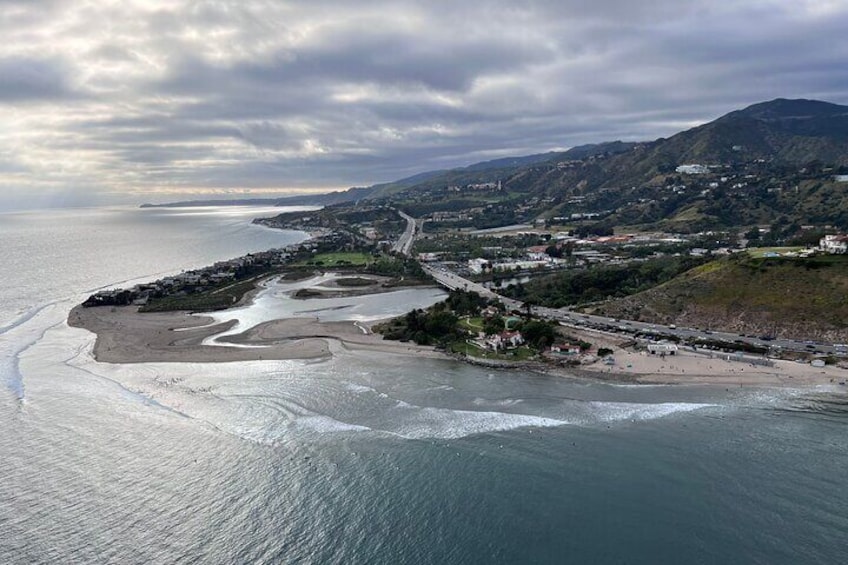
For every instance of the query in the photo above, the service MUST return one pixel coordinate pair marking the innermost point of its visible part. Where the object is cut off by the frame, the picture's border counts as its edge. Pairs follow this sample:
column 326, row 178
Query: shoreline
column 125, row 335
column 701, row 368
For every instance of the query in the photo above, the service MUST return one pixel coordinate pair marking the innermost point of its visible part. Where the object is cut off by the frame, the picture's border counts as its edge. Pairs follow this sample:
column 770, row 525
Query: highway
column 451, row 280
column 404, row 244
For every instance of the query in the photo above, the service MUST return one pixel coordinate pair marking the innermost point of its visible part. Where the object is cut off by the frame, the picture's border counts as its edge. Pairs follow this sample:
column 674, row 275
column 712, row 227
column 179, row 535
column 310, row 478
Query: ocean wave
column 21, row 320
column 619, row 411
column 19, row 336
column 829, row 404
column 353, row 387
column 442, row 423
column 326, row 425
column 505, row 402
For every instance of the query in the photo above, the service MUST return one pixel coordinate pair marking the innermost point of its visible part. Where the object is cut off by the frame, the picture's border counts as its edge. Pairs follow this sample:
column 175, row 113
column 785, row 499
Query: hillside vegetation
column 792, row 298
column 600, row 282
column 776, row 161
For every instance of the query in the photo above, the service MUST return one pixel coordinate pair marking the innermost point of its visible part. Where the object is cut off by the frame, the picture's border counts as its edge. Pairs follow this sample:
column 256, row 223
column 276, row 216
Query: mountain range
column 778, row 155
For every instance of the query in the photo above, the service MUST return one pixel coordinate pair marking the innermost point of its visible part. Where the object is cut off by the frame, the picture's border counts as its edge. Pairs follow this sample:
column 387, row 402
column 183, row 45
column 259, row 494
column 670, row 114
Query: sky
column 133, row 101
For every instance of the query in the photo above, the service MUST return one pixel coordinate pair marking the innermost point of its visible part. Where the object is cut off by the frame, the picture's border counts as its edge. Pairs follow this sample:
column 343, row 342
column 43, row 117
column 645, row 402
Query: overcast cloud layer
column 138, row 100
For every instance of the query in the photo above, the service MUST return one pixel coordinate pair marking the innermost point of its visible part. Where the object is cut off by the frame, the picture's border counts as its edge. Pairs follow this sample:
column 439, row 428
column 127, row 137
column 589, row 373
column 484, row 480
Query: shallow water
column 276, row 302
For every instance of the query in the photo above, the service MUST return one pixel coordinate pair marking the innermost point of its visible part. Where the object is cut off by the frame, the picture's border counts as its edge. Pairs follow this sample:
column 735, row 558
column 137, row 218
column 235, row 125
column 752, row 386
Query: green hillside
column 785, row 297
column 773, row 162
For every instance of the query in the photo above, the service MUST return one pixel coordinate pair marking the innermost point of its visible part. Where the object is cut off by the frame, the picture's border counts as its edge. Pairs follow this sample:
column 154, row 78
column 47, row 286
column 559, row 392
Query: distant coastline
column 322, row 199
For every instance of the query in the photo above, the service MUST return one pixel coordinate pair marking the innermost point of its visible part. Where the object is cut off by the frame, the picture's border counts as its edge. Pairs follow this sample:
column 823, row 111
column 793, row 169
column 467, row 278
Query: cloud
column 25, row 80
column 143, row 96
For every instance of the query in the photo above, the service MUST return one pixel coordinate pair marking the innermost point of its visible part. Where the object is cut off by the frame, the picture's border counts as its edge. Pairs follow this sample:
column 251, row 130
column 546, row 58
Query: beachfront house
column 565, row 349
column 505, row 340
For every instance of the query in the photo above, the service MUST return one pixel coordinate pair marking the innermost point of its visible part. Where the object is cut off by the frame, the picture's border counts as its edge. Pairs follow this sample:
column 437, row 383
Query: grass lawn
column 472, row 324
column 339, row 259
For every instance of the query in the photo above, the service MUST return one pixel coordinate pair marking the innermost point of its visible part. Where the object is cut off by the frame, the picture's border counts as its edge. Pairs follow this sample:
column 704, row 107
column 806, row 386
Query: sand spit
column 126, row 336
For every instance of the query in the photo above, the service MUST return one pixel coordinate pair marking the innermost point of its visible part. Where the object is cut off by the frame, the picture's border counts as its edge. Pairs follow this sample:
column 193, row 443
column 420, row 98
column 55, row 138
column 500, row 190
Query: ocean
column 371, row 458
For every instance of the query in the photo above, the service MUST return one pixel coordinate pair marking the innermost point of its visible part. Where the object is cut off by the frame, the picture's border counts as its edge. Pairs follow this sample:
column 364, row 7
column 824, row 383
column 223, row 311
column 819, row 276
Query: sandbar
column 126, row 336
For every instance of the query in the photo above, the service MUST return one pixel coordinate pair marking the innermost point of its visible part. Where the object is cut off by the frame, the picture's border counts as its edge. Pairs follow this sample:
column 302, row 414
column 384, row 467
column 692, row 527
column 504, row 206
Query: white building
column 505, row 340
column 477, row 266
column 834, row 244
column 692, row 169
column 565, row 349
column 520, row 265
column 662, row 348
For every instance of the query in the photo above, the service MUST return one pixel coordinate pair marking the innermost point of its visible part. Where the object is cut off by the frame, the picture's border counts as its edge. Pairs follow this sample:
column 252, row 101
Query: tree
column 465, row 303
column 538, row 333
column 440, row 324
column 493, row 325
column 528, row 306
column 553, row 251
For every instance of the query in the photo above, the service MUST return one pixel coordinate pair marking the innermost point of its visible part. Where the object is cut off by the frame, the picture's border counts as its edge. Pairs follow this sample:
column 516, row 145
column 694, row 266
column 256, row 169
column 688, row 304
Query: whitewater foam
column 618, row 411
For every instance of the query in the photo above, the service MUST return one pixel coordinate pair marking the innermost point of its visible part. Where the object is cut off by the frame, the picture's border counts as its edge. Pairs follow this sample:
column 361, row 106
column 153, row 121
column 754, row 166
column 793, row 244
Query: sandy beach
column 126, row 336
column 702, row 367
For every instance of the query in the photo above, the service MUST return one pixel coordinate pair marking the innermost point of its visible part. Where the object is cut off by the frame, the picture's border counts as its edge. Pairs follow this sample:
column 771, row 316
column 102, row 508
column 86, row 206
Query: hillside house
column 693, row 169
column 835, row 244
